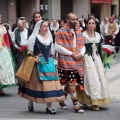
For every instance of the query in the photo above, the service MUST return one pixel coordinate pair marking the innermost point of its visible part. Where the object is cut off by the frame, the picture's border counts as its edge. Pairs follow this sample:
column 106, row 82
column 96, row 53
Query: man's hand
column 76, row 55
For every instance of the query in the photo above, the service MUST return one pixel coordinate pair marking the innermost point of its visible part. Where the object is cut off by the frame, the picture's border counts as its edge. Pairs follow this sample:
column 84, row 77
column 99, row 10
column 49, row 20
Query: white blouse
column 31, row 43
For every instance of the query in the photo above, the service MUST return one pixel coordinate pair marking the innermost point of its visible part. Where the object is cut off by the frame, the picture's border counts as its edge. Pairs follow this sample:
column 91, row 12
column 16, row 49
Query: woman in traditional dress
column 95, row 81
column 7, row 77
column 36, row 18
column 54, row 26
column 44, row 86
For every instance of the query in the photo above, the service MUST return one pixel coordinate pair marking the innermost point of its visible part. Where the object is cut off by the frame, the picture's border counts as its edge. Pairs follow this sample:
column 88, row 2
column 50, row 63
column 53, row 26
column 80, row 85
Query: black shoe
column 50, row 111
column 30, row 109
column 117, row 50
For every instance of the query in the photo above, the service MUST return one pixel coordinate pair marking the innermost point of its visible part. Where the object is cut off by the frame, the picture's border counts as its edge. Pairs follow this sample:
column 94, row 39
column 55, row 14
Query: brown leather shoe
column 84, row 106
column 95, row 108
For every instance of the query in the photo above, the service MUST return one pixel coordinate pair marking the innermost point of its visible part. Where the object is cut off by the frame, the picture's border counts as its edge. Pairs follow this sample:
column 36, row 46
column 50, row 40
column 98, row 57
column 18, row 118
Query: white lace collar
column 95, row 39
column 44, row 42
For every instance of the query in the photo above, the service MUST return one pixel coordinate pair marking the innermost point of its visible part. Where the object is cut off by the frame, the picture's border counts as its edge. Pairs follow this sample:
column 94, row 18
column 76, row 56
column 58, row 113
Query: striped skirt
column 41, row 91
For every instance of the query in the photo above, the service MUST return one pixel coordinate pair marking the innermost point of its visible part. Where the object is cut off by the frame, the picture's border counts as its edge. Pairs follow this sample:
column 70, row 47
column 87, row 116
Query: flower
column 24, row 51
column 107, row 57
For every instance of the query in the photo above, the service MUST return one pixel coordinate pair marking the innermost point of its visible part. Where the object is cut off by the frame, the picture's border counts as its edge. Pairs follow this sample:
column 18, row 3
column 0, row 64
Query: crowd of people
column 75, row 43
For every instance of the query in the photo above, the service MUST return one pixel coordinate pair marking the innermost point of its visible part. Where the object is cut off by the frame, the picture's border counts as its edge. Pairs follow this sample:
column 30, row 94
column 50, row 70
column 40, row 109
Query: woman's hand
column 37, row 59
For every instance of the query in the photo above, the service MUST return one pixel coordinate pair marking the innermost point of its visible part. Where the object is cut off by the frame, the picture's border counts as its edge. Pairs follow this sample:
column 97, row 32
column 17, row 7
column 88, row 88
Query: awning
column 101, row 1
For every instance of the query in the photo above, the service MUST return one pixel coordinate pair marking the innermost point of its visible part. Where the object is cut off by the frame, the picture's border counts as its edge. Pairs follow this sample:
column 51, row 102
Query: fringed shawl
column 64, row 37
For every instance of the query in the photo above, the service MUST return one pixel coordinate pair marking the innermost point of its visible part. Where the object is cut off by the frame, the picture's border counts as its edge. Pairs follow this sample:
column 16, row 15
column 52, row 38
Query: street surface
column 12, row 107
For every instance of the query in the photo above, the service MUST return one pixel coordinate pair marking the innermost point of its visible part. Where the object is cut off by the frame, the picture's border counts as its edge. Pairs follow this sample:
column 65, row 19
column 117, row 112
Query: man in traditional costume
column 69, row 44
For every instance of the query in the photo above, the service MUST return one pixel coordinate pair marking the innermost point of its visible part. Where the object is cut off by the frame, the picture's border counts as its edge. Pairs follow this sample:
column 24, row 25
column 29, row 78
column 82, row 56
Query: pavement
column 114, row 78
column 12, row 107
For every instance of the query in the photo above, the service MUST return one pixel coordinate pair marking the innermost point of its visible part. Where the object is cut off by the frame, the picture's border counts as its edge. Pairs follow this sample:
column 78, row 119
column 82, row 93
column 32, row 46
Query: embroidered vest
column 111, row 28
column 18, row 36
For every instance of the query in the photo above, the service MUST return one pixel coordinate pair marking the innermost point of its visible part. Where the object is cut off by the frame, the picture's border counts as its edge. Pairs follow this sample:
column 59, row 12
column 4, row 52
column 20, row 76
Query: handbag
column 25, row 70
column 47, row 70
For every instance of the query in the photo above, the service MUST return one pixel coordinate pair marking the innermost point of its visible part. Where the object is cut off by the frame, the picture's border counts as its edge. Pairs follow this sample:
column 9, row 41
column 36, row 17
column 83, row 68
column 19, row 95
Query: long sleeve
column 52, row 51
column 106, row 29
column 64, row 51
column 31, row 42
column 117, row 29
column 13, row 39
column 83, row 50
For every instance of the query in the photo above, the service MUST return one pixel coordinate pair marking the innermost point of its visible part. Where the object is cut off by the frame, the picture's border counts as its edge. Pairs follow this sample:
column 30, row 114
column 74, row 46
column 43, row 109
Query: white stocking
column 49, row 106
column 30, row 103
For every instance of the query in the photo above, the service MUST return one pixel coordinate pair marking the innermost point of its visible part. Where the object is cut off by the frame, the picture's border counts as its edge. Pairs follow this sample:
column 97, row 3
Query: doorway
column 95, row 9
column 113, row 10
column 66, row 7
column 18, row 8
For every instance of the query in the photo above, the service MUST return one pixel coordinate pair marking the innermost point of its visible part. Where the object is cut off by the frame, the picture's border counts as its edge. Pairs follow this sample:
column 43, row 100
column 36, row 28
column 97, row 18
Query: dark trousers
column 117, row 43
column 18, row 61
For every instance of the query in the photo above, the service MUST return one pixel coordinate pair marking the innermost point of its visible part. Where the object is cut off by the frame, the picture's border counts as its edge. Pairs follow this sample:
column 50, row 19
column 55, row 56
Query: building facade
column 56, row 9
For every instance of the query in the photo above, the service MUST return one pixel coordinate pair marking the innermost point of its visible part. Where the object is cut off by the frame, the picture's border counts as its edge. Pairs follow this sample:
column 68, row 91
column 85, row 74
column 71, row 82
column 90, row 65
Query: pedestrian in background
column 36, row 17
column 112, row 28
column 102, row 28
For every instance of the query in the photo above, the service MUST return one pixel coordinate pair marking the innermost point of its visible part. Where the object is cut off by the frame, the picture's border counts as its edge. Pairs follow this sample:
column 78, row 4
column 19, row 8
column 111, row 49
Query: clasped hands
column 76, row 56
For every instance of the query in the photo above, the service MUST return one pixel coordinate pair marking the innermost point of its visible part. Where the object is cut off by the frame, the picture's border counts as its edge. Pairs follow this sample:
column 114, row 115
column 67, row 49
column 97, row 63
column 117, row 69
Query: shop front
column 4, row 10
column 104, row 8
